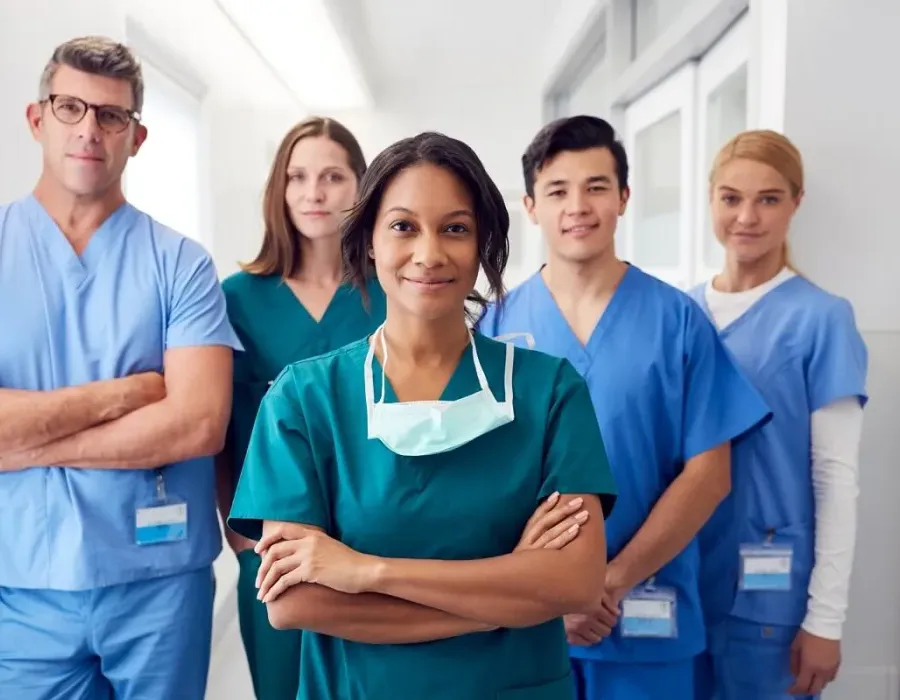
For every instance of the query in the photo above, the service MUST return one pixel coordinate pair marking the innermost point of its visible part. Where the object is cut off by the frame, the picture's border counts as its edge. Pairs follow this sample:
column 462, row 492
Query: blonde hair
column 770, row 148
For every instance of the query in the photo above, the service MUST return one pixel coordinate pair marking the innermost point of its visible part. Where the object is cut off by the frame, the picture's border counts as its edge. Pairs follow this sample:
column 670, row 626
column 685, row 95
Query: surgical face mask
column 417, row 428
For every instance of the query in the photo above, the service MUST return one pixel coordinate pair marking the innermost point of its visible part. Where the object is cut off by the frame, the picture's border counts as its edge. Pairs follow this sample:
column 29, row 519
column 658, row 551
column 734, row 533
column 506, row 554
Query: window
column 650, row 19
column 164, row 179
column 672, row 135
column 660, row 142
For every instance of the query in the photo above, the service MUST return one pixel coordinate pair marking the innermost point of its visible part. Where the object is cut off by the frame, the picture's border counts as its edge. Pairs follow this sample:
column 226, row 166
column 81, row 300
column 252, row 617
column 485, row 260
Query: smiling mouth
column 580, row 229
column 429, row 285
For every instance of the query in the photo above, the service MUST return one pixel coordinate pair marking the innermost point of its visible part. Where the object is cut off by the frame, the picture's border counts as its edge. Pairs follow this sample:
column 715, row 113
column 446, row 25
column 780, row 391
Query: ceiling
column 400, row 44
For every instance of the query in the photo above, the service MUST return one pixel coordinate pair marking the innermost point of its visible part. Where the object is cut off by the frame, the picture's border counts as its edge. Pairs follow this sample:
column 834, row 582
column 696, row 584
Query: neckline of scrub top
column 463, row 375
column 758, row 307
column 292, row 300
column 79, row 267
column 560, row 332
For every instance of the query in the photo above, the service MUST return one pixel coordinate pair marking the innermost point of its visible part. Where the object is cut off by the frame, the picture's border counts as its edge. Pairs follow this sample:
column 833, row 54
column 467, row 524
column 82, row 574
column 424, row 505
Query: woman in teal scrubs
column 389, row 481
column 286, row 305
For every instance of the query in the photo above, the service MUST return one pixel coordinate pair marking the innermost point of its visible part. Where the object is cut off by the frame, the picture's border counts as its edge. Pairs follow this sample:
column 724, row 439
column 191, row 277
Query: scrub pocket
column 562, row 689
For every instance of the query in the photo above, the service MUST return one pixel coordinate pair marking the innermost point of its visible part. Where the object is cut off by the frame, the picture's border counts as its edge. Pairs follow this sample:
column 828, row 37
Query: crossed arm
column 408, row 601
column 111, row 425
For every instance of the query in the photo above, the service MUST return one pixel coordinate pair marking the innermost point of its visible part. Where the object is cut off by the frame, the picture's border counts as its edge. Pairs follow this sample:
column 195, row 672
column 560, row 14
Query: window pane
column 726, row 116
column 651, row 18
column 657, row 190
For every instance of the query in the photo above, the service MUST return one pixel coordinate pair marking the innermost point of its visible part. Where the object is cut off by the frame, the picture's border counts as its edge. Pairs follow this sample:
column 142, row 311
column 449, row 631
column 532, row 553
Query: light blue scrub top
column 310, row 461
column 137, row 290
column 800, row 346
column 664, row 390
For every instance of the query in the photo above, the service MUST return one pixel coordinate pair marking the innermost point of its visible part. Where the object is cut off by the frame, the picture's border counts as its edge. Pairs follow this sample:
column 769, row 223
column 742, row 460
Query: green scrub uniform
column 277, row 330
column 310, row 461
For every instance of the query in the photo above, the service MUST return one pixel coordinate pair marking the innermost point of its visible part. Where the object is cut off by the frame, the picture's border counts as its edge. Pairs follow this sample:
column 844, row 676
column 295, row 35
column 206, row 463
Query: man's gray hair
column 96, row 55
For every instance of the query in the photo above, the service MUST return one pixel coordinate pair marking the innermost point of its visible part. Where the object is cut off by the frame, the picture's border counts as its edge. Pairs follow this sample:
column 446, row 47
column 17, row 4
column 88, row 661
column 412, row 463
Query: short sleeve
column 279, row 480
column 720, row 403
column 838, row 364
column 575, row 459
column 197, row 312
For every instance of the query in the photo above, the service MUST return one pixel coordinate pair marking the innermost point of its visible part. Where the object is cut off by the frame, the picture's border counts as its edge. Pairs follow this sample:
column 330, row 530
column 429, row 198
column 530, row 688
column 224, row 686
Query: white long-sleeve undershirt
column 835, row 433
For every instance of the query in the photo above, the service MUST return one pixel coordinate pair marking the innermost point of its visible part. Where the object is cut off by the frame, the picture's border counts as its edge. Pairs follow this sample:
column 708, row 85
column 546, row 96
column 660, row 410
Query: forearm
column 521, row 589
column 29, row 419
column 836, row 433
column 366, row 617
column 151, row 437
column 673, row 522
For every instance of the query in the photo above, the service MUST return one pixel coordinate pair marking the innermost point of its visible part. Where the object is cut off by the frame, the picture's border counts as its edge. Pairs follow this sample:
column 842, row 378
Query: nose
column 315, row 192
column 89, row 127
column 577, row 202
column 747, row 214
column 429, row 250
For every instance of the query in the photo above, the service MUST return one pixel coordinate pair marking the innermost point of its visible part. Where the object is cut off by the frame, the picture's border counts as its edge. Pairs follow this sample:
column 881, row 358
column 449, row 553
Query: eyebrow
column 773, row 190
column 410, row 212
column 593, row 180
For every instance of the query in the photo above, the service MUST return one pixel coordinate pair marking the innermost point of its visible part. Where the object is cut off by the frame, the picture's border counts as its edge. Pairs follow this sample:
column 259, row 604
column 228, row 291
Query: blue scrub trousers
column 148, row 640
column 747, row 661
column 601, row 680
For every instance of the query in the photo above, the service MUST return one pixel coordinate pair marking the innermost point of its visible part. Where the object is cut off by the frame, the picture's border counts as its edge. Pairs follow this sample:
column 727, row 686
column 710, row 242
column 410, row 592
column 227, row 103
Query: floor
column 229, row 678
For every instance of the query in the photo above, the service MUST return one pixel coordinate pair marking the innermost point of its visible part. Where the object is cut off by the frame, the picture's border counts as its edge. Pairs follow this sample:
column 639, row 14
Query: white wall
column 841, row 111
column 28, row 34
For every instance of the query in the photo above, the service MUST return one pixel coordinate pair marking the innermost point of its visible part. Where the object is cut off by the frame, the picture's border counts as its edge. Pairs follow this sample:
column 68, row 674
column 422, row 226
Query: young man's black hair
column 578, row 133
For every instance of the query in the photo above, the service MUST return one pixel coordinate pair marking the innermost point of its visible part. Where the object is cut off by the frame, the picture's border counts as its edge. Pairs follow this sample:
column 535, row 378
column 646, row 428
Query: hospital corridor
column 449, row 350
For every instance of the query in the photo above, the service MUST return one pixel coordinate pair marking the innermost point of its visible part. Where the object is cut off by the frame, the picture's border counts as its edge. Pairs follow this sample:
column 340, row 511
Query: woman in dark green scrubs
column 287, row 305
column 389, row 495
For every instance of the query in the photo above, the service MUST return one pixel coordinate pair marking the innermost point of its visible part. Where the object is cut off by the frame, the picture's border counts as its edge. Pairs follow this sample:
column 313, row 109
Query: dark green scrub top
column 276, row 330
column 310, row 461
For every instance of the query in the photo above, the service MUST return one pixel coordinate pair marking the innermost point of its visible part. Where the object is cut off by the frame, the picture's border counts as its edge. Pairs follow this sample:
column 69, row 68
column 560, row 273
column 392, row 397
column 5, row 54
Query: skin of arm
column 225, row 497
column 30, row 419
column 189, row 422
column 379, row 619
column 674, row 521
column 521, row 589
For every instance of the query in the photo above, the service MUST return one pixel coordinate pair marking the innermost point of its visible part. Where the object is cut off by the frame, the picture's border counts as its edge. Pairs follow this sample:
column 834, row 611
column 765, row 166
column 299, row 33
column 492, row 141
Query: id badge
column 766, row 567
column 650, row 611
column 164, row 520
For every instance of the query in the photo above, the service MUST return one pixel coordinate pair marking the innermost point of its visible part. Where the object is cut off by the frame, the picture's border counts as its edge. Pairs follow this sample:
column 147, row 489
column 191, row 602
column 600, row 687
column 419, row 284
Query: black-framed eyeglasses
column 111, row 118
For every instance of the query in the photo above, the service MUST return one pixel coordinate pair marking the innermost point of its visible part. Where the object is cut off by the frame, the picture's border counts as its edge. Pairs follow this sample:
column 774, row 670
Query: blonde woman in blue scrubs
column 389, row 481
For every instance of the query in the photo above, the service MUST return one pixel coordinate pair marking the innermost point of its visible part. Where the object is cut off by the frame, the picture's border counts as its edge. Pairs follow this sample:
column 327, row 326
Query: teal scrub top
column 310, row 461
column 276, row 330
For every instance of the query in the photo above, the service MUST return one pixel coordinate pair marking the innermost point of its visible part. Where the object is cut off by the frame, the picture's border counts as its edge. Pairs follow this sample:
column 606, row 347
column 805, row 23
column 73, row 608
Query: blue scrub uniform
column 664, row 390
column 801, row 348
column 276, row 330
column 84, row 610
column 310, row 461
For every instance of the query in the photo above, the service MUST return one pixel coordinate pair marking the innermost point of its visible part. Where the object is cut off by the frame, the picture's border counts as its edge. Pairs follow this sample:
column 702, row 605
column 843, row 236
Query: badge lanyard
column 163, row 520
column 650, row 611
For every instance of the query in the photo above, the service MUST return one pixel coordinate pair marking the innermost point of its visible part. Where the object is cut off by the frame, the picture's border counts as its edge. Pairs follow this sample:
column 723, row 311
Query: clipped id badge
column 650, row 611
column 164, row 520
column 766, row 567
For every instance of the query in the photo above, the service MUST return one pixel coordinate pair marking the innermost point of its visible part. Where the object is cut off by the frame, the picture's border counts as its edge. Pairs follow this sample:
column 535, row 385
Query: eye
column 458, row 229
column 729, row 199
column 335, row 177
column 295, row 177
column 770, row 200
column 597, row 188
column 402, row 226
column 556, row 193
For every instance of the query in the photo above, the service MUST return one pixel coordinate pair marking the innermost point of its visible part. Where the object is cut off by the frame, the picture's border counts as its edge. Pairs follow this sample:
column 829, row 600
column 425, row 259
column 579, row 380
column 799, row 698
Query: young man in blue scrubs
column 115, row 390
column 668, row 398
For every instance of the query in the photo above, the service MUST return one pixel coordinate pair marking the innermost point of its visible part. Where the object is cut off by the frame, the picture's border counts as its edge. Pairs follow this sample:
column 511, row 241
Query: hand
column 814, row 663
column 313, row 558
column 143, row 389
column 13, row 462
column 586, row 630
column 554, row 524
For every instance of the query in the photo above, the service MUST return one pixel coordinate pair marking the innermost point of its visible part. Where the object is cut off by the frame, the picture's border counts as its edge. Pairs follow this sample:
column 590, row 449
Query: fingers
column 291, row 578
column 544, row 521
column 607, row 615
column 268, row 540
column 545, row 507
column 803, row 682
column 560, row 535
column 272, row 556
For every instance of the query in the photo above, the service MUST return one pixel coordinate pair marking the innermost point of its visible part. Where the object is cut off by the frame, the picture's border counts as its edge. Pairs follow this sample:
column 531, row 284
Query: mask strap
column 369, row 380
column 529, row 339
column 384, row 355
column 508, row 375
column 482, row 380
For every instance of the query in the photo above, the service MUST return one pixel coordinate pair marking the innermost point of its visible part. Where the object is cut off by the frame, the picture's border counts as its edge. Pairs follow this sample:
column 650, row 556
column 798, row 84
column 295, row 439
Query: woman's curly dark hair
column 437, row 149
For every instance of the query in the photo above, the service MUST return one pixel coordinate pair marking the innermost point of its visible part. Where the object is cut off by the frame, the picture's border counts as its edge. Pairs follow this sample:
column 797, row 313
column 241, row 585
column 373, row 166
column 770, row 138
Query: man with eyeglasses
column 115, row 392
